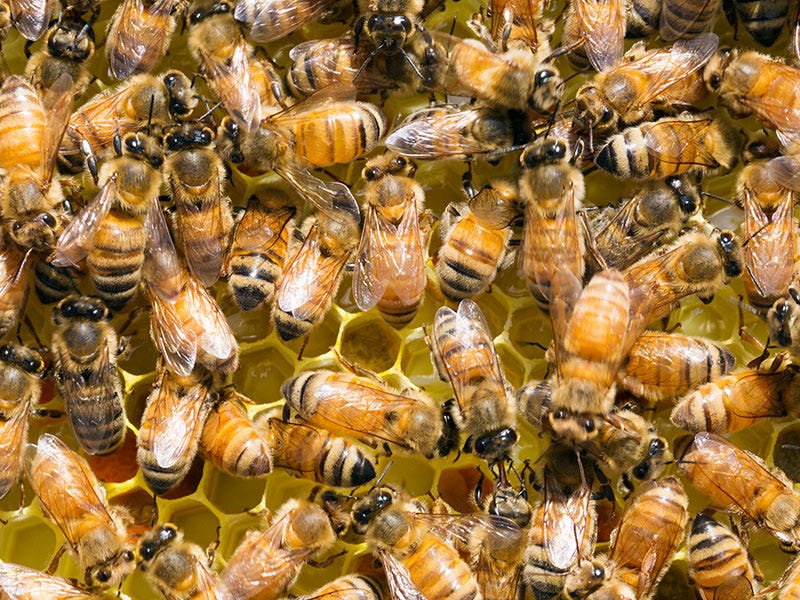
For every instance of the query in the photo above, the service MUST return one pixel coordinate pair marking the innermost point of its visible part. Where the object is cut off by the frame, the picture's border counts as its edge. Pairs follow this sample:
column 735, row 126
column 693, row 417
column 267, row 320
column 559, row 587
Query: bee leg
column 51, row 568
column 323, row 564
column 211, row 550
column 302, row 348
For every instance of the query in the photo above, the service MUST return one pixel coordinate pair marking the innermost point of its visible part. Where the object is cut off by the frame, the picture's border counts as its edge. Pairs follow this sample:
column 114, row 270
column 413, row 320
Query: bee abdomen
column 290, row 327
column 97, row 431
column 459, row 280
column 344, row 465
column 682, row 19
column 53, row 284
column 252, row 280
column 396, row 312
column 161, row 479
column 115, row 264
column 763, row 20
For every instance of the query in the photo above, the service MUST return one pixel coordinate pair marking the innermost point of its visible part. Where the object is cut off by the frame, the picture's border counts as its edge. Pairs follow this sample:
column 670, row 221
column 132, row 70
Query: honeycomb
column 212, row 506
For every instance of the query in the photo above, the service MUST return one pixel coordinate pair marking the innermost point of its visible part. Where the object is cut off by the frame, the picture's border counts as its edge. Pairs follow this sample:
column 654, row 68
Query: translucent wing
column 31, row 17
column 660, row 141
column 239, row 97
column 57, row 103
column 162, row 269
column 516, row 20
column 177, row 416
column 399, row 579
column 77, row 239
column 176, row 342
column 322, row 56
column 331, row 197
column 199, row 255
column 12, row 442
column 214, row 334
column 603, row 25
column 23, row 583
column 138, row 36
column 270, row 20
column 565, row 521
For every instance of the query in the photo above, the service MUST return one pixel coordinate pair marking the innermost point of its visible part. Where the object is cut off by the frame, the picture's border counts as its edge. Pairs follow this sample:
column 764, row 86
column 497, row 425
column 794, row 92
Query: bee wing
column 735, row 587
column 783, row 116
column 331, row 70
column 401, row 587
column 668, row 150
column 198, row 255
column 100, row 118
column 133, row 35
column 161, row 260
column 767, row 239
column 12, row 269
column 12, row 443
column 51, row 465
column 462, row 526
column 22, row 583
column 564, row 521
column 232, row 80
column 603, row 25
column 261, row 17
column 516, row 19
column 176, row 342
column 786, row 171
column 653, row 563
column 57, row 103
column 685, row 58
column 216, row 337
column 31, row 17
column 179, row 422
column 77, row 239
column 333, row 198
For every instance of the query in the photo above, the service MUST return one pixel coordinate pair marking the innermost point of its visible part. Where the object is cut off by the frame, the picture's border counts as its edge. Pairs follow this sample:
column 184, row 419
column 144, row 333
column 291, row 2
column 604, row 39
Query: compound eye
column 372, row 173
column 6, row 352
column 49, row 219
column 31, row 365
column 147, row 551
column 542, row 77
column 715, row 81
column 103, row 576
column 362, row 516
column 588, row 425
column 607, row 115
column 560, row 414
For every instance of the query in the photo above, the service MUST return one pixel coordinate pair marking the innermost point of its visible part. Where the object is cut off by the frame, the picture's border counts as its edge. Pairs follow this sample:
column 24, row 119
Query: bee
column 696, row 263
column 477, row 240
column 740, row 482
column 749, row 82
column 416, row 560
column 172, row 425
column 685, row 143
column 249, row 87
column 369, row 410
column 316, row 454
column 654, row 215
column 738, row 400
column 69, row 46
column 85, row 348
column 551, row 189
column 782, row 320
column 30, row 132
column 232, row 442
column 259, row 247
column 31, row 19
column 764, row 21
column 626, row 92
column 111, row 232
column 349, row 587
column 642, row 17
column 71, row 496
column 563, row 531
column 313, row 271
column 176, row 568
column 447, row 131
column 270, row 20
column 327, row 128
column 686, row 19
column 642, row 546
column 390, row 259
column 204, row 221
column 13, row 283
column 463, row 351
column 719, row 565
column 23, row 583
column 140, row 102
column 21, row 379
column 662, row 367
column 597, row 27
column 138, row 36
column 266, row 563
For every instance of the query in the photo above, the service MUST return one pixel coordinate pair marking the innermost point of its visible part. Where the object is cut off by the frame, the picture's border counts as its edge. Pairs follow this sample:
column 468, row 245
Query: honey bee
column 186, row 323
column 85, row 348
column 738, row 400
column 270, row 20
column 417, row 561
column 69, row 46
column 740, row 482
column 315, row 265
column 719, row 565
column 23, row 583
column 598, row 28
column 138, row 36
column 782, row 320
column 551, row 189
column 172, row 425
column 642, row 546
column 22, row 371
column 259, row 247
column 563, row 531
column 232, row 442
column 349, row 587
column 266, row 563
column 13, row 283
column 751, row 82
column 140, row 102
column 446, row 131
column 204, row 220
column 390, row 260
column 71, row 496
column 686, row 19
column 662, row 367
column 31, row 18
column 29, row 139
column 176, row 568
column 695, row 263
column 764, row 21
column 248, row 86
column 371, row 411
column 627, row 91
column 316, row 454
column 327, row 128
column 642, row 17
column 476, row 240
column 111, row 231
column 463, row 351
column 654, row 215
column 685, row 143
